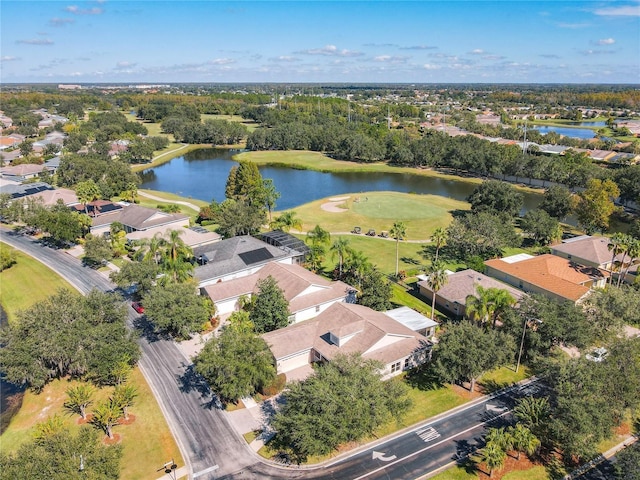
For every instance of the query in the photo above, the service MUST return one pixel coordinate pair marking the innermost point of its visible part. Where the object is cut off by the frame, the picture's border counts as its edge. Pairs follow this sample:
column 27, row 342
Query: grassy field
column 147, row 442
column 27, row 282
column 421, row 214
column 171, row 198
column 250, row 124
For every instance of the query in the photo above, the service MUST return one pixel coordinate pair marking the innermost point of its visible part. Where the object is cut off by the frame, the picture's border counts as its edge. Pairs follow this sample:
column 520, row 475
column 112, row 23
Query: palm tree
column 633, row 251
column 439, row 238
column 318, row 236
column 523, row 440
column 87, row 192
column 501, row 301
column 477, row 307
column 340, row 248
column 287, row 221
column 105, row 416
column 124, row 396
column 177, row 256
column 493, row 456
column 616, row 247
column 437, row 279
column 532, row 412
column 175, row 245
column 80, row 398
column 499, row 437
column 398, row 231
column 358, row 265
column 154, row 245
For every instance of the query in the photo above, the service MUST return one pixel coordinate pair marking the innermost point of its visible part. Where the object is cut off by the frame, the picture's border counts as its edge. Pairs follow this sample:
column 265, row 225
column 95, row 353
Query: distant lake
column 202, row 174
column 583, row 133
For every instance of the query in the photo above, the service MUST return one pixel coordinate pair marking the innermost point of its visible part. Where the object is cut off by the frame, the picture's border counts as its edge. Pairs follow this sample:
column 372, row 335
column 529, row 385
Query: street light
column 170, row 469
column 524, row 331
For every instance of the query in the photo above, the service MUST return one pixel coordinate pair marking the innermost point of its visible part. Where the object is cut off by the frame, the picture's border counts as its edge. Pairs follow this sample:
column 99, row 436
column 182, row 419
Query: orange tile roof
column 548, row 272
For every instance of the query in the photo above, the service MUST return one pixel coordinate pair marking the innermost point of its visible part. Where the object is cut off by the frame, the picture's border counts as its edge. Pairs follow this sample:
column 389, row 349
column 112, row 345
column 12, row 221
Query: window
column 317, row 308
column 395, row 367
column 407, row 364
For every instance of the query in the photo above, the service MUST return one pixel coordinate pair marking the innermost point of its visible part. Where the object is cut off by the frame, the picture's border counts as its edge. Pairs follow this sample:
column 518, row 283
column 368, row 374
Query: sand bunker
column 332, row 205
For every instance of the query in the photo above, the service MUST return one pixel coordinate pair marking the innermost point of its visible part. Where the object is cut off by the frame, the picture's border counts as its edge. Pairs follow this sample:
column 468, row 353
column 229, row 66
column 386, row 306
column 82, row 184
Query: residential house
column 549, row 275
column 452, row 297
column 308, row 294
column 586, row 250
column 238, row 257
column 346, row 328
column 22, row 172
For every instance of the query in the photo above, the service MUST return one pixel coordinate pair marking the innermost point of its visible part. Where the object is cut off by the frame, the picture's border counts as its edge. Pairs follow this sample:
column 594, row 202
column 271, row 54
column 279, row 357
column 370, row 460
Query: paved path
column 164, row 200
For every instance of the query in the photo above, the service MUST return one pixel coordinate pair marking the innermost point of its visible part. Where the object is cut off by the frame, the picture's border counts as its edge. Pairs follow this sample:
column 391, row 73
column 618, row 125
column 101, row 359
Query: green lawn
column 147, row 442
column 27, row 282
column 422, row 214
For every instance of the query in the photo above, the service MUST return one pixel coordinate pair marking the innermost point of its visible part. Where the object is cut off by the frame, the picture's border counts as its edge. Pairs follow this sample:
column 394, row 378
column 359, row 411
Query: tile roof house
column 549, row 275
column 453, row 296
column 348, row 328
column 586, row 250
column 308, row 294
column 24, row 171
column 133, row 217
column 237, row 257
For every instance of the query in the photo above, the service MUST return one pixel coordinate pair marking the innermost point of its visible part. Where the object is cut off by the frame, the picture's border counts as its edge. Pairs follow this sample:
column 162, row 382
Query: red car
column 137, row 306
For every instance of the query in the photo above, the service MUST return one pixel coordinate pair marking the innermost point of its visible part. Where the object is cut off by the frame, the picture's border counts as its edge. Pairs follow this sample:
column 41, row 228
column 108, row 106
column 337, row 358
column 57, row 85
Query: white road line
column 206, row 470
column 427, row 448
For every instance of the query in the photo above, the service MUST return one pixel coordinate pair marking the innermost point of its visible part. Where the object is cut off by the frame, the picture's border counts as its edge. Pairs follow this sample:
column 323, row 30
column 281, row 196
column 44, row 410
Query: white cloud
column 597, row 52
column 60, row 22
column 221, row 61
column 83, row 11
column 390, row 59
column 431, row 66
column 330, row 50
column 624, row 11
column 477, row 51
column 285, row 59
column 418, row 47
column 606, row 41
column 8, row 58
column 36, row 41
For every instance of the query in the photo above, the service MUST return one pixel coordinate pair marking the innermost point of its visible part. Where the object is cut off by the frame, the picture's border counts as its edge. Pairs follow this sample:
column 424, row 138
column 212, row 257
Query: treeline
column 217, row 132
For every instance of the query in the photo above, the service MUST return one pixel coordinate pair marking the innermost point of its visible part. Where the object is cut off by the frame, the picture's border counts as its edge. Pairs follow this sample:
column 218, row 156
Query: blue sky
column 312, row 41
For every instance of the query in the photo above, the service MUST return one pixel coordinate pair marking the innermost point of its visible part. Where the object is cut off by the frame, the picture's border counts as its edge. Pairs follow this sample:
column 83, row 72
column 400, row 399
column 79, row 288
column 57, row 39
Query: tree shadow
column 191, row 381
column 410, row 260
column 147, row 330
column 424, row 378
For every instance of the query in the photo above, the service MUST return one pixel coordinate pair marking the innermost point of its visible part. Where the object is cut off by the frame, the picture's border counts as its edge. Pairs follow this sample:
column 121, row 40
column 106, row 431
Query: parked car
column 137, row 306
column 598, row 355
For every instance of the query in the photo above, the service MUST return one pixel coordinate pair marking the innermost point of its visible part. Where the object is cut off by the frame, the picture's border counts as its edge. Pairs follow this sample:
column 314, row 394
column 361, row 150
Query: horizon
column 314, row 42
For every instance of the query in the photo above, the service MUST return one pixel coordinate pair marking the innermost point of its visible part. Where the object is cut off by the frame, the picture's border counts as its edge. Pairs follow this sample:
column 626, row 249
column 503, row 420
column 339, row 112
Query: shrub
column 275, row 387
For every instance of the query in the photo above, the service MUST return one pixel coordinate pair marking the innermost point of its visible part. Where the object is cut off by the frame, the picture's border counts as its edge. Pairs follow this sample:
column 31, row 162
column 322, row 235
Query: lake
column 202, row 174
column 583, row 133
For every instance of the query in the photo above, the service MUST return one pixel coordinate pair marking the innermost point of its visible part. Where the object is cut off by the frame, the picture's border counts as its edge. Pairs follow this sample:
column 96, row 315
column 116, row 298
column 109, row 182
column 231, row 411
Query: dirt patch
column 127, row 421
column 112, row 441
column 334, row 207
column 510, row 465
column 82, row 421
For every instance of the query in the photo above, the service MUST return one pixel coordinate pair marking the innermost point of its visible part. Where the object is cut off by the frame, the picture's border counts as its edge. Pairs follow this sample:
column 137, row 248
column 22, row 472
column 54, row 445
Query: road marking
column 496, row 408
column 206, row 470
column 427, row 448
column 427, row 434
column 380, row 456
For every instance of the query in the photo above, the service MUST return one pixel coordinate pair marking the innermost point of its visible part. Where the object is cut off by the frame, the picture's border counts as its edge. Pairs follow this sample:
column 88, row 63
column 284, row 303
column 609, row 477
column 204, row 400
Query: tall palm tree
column 532, row 412
column 175, row 245
column 318, row 236
column 501, row 301
column 398, row 231
column 633, row 251
column 358, row 265
column 493, row 456
column 439, row 239
column 437, row 279
column 87, row 192
column 340, row 247
column 616, row 247
column 177, row 256
column 154, row 246
column 523, row 440
column 500, row 437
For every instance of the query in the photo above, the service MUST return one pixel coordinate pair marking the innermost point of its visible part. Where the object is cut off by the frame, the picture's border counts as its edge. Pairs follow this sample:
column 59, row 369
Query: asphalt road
column 213, row 449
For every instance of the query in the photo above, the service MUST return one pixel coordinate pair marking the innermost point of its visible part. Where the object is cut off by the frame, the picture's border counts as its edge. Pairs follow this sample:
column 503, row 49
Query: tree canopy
column 67, row 335
column 269, row 309
column 342, row 401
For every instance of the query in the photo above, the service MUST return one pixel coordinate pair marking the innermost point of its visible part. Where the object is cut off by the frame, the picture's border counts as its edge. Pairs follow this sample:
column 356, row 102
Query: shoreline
column 169, row 155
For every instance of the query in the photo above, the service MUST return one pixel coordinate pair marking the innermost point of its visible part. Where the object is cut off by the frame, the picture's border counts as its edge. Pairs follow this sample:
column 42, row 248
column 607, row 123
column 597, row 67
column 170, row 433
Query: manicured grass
column 147, row 442
column 171, row 198
column 250, row 124
column 456, row 473
column 401, row 296
column 27, row 282
column 421, row 214
column 502, row 377
column 251, row 436
column 535, row 473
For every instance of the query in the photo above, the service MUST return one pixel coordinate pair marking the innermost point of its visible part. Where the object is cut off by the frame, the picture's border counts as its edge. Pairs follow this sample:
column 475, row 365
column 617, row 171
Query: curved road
column 212, row 448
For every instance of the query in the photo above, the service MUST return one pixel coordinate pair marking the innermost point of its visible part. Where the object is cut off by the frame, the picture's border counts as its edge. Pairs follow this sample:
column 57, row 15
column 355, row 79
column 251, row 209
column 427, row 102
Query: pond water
column 583, row 133
column 202, row 174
